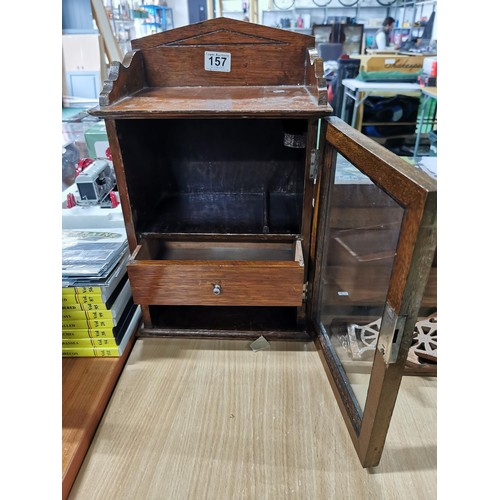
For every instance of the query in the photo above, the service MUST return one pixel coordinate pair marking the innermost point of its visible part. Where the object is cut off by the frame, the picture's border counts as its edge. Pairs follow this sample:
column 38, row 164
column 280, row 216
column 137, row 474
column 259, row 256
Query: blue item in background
column 399, row 112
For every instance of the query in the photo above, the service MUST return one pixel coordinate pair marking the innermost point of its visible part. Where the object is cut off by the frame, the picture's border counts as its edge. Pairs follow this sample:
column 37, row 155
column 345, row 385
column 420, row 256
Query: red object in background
column 70, row 200
column 114, row 201
column 108, row 154
column 434, row 69
column 82, row 165
column 329, row 94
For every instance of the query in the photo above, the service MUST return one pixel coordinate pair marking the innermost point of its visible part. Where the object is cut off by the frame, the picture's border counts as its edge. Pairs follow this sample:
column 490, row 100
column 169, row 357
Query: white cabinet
column 84, row 67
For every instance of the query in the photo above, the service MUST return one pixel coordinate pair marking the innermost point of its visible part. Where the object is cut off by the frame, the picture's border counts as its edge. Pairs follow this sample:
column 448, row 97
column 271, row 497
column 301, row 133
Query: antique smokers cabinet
column 249, row 213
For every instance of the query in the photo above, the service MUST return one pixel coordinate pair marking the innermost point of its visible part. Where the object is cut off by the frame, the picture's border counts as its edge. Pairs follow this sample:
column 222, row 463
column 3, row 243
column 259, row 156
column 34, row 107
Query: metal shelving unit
column 162, row 19
column 408, row 14
column 403, row 10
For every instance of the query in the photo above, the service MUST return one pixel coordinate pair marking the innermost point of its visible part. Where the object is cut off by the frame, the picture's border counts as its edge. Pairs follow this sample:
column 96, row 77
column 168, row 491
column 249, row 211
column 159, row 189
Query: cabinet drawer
column 165, row 272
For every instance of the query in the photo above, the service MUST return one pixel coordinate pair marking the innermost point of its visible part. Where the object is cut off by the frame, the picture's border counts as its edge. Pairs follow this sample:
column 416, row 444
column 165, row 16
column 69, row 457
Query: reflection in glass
column 360, row 246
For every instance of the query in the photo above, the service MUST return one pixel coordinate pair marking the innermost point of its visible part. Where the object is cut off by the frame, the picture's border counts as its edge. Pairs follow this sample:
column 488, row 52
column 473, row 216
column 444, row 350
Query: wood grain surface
column 241, row 283
column 87, row 385
column 270, row 278
column 222, row 30
column 217, row 101
column 211, row 419
column 177, row 59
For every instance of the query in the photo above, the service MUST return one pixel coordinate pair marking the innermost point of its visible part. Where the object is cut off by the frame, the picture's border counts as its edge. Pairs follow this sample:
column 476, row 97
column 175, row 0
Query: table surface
column 353, row 84
column 87, row 385
column 206, row 418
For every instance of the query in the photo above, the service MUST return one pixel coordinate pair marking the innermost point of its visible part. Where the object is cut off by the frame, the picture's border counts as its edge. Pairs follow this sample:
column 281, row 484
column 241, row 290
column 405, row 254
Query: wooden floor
column 211, row 419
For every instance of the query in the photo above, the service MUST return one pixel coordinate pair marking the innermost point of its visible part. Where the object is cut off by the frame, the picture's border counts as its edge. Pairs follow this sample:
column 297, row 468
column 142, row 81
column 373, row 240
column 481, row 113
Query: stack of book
column 98, row 314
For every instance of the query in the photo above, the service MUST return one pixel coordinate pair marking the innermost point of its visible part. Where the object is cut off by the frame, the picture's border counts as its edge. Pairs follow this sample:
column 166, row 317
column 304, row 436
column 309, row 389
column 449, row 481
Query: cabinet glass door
column 376, row 238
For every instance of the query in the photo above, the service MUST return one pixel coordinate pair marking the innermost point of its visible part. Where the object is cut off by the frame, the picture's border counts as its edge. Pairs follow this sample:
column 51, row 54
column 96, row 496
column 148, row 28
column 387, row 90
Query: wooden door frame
column 417, row 194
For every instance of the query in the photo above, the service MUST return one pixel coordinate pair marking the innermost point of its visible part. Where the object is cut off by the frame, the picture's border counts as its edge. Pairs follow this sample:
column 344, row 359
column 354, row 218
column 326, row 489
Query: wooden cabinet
column 214, row 273
column 249, row 210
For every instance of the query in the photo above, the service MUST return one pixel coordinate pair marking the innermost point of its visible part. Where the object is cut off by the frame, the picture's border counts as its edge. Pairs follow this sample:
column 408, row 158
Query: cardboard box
column 403, row 64
column 373, row 22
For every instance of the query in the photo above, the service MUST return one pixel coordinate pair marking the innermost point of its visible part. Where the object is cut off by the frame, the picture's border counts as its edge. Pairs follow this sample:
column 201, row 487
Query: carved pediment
column 221, row 31
column 225, row 37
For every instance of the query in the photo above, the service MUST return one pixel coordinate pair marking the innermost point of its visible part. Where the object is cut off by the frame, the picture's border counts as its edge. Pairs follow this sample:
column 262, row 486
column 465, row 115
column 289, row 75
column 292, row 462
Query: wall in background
column 77, row 17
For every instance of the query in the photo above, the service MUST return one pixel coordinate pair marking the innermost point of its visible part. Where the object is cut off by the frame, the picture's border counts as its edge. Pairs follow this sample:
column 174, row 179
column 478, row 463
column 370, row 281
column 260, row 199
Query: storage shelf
column 224, row 101
column 222, row 213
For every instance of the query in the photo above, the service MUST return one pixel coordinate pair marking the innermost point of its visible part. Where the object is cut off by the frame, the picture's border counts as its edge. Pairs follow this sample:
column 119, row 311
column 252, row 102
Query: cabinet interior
column 217, row 189
column 163, row 249
column 221, row 176
column 220, row 319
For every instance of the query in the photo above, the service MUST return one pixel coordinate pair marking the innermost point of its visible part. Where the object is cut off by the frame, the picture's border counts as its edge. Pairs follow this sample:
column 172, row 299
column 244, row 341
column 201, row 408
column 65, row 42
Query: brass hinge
column 313, row 169
column 390, row 335
column 305, row 287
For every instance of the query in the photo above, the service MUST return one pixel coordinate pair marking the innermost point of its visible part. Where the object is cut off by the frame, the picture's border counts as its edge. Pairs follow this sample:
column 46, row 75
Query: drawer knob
column 217, row 290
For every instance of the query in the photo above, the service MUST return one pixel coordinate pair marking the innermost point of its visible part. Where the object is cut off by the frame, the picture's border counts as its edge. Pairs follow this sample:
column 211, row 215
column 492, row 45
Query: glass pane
column 360, row 245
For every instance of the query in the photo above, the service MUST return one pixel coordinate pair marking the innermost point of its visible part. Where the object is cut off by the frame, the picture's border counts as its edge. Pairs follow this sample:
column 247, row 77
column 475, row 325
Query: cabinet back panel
column 174, row 66
column 213, row 175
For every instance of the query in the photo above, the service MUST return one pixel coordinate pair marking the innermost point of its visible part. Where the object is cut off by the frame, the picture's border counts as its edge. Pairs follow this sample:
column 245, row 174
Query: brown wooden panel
column 314, row 78
column 123, row 79
column 192, row 283
column 176, row 59
column 121, row 181
column 270, row 335
column 163, row 249
column 267, row 101
column 384, row 167
column 87, row 384
column 225, row 29
column 230, row 38
column 175, row 66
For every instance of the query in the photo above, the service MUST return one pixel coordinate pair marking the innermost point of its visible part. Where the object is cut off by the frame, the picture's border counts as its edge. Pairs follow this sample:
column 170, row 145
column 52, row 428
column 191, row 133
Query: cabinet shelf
column 215, row 101
column 226, row 213
column 281, row 321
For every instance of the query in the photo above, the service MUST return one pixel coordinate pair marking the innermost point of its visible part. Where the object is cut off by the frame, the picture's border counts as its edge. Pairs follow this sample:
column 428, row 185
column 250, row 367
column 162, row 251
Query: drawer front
column 228, row 283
